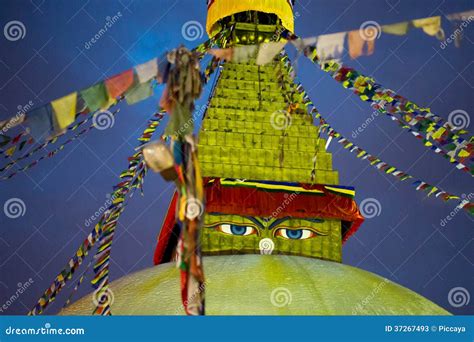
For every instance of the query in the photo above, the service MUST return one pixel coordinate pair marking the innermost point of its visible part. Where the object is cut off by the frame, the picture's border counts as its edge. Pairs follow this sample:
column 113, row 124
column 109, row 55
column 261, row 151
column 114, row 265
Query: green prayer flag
column 95, row 97
column 139, row 92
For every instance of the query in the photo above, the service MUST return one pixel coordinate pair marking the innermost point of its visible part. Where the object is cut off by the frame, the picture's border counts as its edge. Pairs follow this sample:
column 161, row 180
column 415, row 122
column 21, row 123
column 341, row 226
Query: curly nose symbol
column 266, row 246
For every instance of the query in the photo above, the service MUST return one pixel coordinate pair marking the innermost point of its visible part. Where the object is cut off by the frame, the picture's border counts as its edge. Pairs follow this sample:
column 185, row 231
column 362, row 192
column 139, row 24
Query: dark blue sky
column 405, row 243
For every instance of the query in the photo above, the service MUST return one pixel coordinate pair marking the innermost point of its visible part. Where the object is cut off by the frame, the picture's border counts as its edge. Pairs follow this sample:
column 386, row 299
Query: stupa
column 276, row 216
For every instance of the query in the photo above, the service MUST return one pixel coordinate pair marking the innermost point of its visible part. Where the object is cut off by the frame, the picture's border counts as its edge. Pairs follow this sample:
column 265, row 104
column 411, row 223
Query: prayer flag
column 139, row 92
column 119, row 84
column 40, row 122
column 147, row 71
column 64, row 111
column 95, row 97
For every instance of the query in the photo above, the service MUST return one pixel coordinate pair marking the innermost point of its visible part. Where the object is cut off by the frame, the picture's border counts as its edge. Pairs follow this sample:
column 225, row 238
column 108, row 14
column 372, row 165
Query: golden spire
column 219, row 9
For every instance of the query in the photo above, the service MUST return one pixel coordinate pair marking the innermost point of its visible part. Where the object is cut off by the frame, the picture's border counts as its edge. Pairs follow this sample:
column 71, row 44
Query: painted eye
column 295, row 234
column 233, row 229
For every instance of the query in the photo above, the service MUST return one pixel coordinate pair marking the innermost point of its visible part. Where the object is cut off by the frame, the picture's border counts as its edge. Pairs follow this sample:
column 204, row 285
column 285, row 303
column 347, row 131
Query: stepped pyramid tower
column 270, row 186
column 270, row 189
column 270, row 183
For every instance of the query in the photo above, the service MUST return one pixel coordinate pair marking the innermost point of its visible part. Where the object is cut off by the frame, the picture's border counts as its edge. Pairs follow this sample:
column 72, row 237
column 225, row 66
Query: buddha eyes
column 233, row 229
column 286, row 233
column 295, row 234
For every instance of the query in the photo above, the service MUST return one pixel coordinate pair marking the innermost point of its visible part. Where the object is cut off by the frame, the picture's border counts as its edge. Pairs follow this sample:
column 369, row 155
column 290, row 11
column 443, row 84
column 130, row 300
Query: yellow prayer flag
column 118, row 200
column 182, row 208
column 431, row 26
column 399, row 29
column 64, row 111
column 439, row 133
column 10, row 151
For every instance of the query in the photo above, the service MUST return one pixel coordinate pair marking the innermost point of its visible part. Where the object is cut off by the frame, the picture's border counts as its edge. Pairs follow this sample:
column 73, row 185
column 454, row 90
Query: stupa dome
column 265, row 285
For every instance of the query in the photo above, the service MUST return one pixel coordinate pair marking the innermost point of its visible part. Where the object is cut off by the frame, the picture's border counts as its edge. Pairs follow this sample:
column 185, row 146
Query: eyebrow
column 260, row 222
column 256, row 221
column 253, row 220
column 281, row 220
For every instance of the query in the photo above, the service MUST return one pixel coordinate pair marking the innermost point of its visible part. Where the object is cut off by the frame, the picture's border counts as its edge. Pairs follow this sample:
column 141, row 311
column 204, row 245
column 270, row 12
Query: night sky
column 405, row 243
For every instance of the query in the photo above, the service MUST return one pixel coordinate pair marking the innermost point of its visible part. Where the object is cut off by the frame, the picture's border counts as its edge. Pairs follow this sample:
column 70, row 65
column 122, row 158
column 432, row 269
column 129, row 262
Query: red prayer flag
column 119, row 84
column 17, row 138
